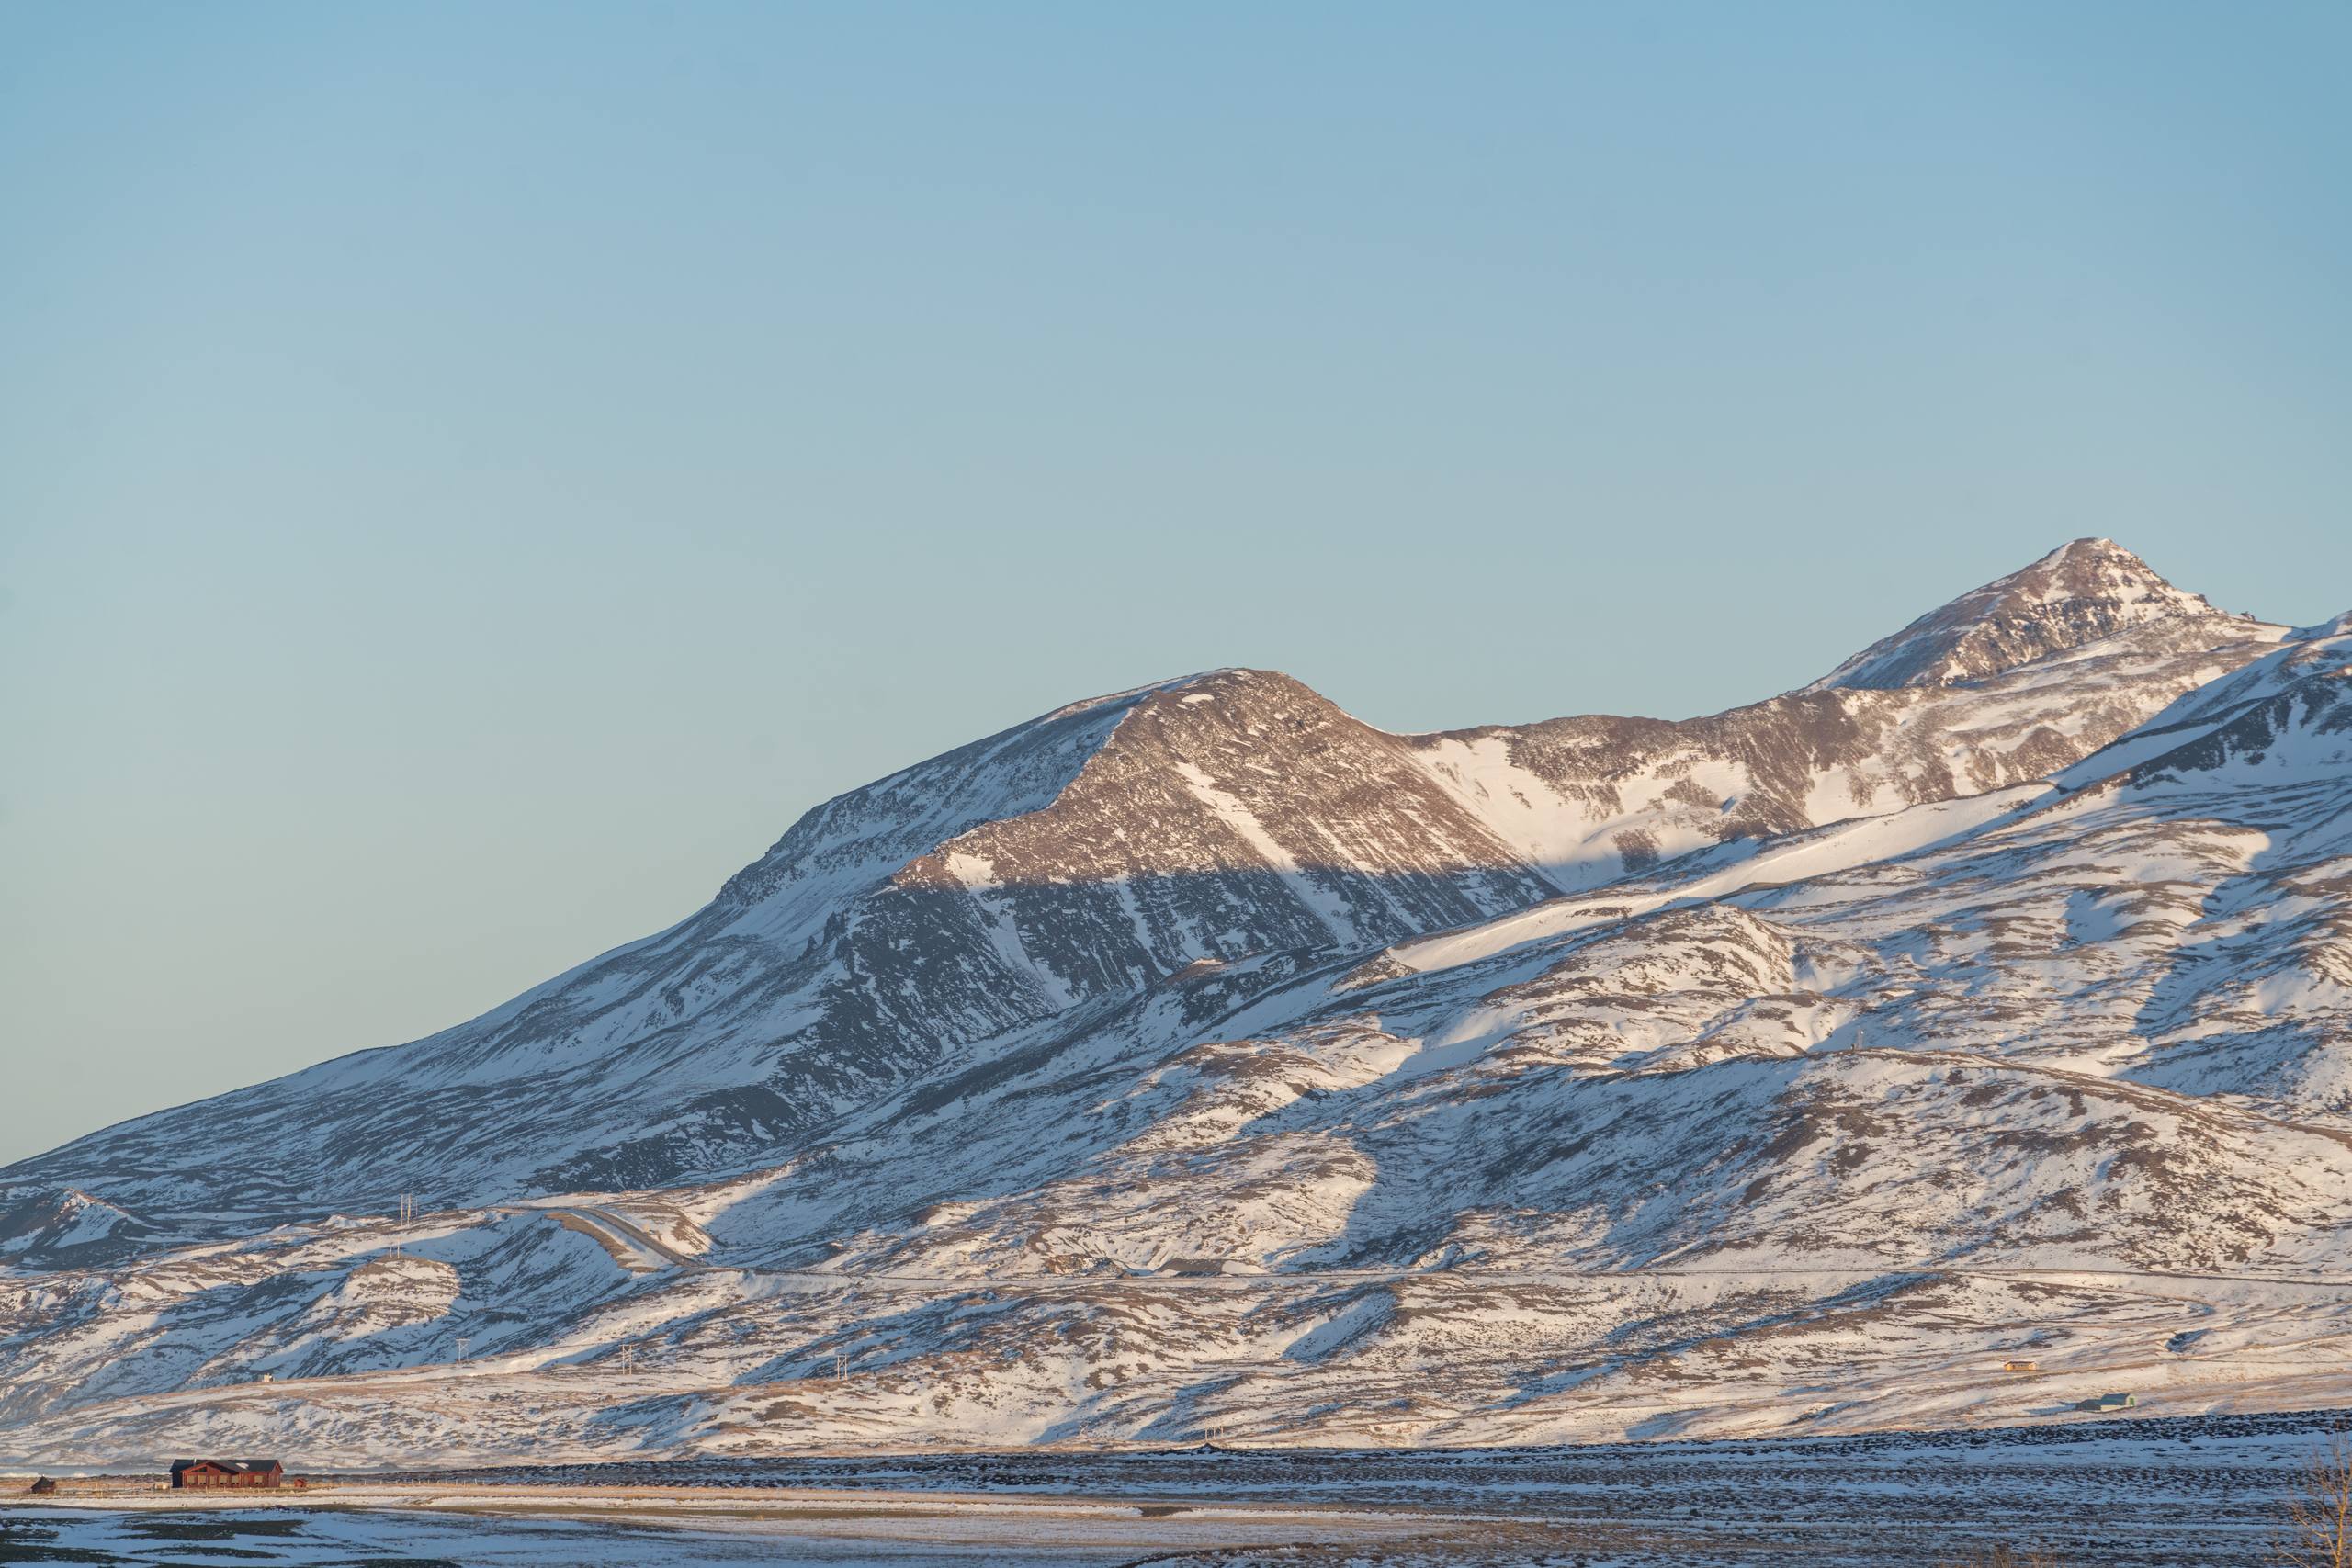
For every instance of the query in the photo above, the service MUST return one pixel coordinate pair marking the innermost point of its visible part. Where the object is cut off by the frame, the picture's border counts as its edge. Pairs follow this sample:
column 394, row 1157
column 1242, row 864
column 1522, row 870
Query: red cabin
column 201, row 1475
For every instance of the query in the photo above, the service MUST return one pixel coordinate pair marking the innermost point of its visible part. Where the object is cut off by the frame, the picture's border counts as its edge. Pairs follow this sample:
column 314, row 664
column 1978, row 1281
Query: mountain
column 1077, row 863
column 1201, row 1061
column 2078, row 593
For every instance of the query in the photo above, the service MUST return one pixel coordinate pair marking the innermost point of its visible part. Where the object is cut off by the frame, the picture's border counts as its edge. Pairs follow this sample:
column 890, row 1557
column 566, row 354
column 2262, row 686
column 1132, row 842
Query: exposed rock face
column 1991, row 960
column 1235, row 815
column 2078, row 593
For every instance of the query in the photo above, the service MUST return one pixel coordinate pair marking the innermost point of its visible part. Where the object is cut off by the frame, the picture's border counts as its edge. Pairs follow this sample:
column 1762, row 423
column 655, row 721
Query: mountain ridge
column 995, row 887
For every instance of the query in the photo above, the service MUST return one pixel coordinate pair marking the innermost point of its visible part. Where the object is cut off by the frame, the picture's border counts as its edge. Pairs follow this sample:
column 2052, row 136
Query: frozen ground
column 346, row 1539
column 2143, row 1492
column 2154, row 1494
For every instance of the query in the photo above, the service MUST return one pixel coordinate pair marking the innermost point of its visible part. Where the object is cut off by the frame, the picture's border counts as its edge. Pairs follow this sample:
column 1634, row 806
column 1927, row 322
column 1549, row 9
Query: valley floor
column 2204, row 1492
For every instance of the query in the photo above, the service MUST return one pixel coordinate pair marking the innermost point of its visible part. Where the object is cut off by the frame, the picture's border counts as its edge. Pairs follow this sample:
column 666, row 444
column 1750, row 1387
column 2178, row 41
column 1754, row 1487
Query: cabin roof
column 232, row 1466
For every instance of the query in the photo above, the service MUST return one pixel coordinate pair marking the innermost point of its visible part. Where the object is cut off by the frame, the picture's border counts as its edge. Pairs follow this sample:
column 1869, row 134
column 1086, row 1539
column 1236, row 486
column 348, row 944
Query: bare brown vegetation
column 2318, row 1531
column 2005, row 1557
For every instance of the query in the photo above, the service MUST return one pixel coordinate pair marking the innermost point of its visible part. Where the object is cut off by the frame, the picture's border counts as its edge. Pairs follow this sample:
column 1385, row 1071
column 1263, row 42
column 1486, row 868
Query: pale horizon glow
column 471, row 476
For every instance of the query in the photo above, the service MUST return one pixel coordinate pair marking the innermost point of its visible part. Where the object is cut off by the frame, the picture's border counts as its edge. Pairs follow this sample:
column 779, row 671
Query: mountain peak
column 2081, row 591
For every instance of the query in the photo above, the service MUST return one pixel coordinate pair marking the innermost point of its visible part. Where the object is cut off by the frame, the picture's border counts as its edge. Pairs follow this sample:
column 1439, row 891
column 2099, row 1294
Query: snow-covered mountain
column 1201, row 1060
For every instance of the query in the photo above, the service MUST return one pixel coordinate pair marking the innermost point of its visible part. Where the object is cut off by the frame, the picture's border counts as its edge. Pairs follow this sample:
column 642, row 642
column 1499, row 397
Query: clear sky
column 471, row 474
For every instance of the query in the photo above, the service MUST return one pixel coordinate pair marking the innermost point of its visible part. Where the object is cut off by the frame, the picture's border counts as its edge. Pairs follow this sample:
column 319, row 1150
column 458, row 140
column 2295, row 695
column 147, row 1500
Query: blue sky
column 470, row 476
